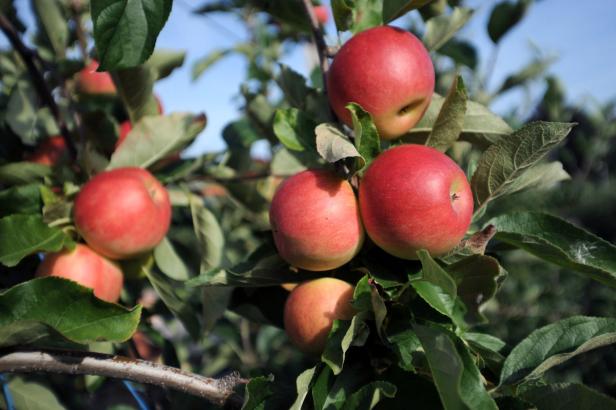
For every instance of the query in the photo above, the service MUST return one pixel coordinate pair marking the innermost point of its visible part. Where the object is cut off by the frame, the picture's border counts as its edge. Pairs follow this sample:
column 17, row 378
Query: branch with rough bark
column 28, row 56
column 218, row 391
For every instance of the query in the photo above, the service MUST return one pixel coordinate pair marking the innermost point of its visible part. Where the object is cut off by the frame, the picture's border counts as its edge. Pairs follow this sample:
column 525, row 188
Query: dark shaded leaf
column 505, row 15
column 450, row 120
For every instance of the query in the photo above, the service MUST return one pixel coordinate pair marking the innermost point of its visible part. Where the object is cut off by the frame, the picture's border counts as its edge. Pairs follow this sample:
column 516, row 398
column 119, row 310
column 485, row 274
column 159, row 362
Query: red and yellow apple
column 414, row 197
column 123, row 212
column 49, row 152
column 387, row 71
column 86, row 267
column 91, row 82
column 311, row 309
column 315, row 221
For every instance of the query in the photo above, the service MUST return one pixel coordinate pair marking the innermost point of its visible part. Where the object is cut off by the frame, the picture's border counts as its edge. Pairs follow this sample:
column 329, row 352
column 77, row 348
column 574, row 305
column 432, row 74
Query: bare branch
column 218, row 391
column 28, row 56
column 319, row 40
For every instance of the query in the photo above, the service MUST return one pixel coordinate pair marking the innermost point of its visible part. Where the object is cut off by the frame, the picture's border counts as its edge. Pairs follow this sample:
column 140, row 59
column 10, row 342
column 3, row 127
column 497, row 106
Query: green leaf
column 556, row 240
column 477, row 277
column 295, row 129
column 303, row 384
column 568, row 396
column 125, row 32
column 357, row 15
column 343, row 335
column 264, row 267
column 457, row 379
column 175, row 296
column 334, row 146
column 169, row 262
column 154, row 138
column 461, row 52
column 501, row 164
column 23, row 235
column 505, row 15
column 32, row 396
column 540, row 176
column 17, row 173
column 481, row 127
column 294, row 87
column 59, row 306
column 343, row 13
column 25, row 118
column 135, row 86
column 530, row 72
column 53, row 24
column 401, row 335
column 164, row 62
column 367, row 140
column 392, row 9
column 202, row 64
column 554, row 344
column 438, row 289
column 450, row 121
column 209, row 235
column 258, row 390
column 24, row 199
column 485, row 340
column 440, row 29
column 367, row 397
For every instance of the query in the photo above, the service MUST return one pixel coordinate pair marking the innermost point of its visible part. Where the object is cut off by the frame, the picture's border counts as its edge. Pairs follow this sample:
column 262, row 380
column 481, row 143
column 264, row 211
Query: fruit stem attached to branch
column 28, row 57
column 218, row 391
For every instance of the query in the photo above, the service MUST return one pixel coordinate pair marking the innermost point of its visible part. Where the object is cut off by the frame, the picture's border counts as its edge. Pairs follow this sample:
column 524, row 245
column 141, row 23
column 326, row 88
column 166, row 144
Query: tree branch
column 319, row 40
column 28, row 57
column 218, row 391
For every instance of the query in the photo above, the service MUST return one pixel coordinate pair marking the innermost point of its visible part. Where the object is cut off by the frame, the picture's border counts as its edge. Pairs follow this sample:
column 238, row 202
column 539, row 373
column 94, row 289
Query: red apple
column 311, row 309
column 414, row 197
column 91, row 82
column 87, row 268
column 387, row 71
column 123, row 212
column 322, row 14
column 125, row 128
column 49, row 152
column 315, row 221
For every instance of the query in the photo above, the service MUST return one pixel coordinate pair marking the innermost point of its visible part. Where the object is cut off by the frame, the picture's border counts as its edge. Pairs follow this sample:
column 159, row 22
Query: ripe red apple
column 87, row 268
column 311, row 309
column 49, row 152
column 123, row 212
column 322, row 14
column 91, row 82
column 387, row 71
column 414, row 197
column 315, row 221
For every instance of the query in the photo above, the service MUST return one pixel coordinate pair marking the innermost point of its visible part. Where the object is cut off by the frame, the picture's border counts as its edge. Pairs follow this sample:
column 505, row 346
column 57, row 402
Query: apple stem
column 28, row 56
column 218, row 391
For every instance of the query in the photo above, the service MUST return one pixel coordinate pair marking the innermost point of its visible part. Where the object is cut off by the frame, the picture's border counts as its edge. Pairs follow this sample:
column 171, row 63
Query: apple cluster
column 120, row 214
column 411, row 197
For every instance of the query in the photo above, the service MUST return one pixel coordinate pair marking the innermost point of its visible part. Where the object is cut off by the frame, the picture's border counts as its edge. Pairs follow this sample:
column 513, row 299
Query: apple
column 414, row 197
column 315, row 221
column 311, row 309
column 49, row 152
column 123, row 212
column 387, row 71
column 87, row 268
column 322, row 14
column 91, row 82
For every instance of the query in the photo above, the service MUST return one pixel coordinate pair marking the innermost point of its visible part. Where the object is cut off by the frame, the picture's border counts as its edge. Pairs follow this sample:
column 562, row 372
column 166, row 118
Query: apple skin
column 123, row 212
column 50, row 152
column 86, row 267
column 322, row 14
column 311, row 309
column 387, row 71
column 414, row 197
column 315, row 221
column 91, row 82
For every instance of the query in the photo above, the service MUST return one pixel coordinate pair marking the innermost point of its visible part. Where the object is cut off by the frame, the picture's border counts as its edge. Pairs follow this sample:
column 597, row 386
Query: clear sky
column 581, row 34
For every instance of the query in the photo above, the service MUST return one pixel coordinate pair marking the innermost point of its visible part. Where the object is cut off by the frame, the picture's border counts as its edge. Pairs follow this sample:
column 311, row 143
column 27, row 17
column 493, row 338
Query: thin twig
column 76, row 8
column 319, row 40
column 28, row 57
column 218, row 391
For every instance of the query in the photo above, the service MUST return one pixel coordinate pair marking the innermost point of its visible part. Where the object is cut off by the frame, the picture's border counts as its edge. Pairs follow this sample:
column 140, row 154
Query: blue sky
column 582, row 36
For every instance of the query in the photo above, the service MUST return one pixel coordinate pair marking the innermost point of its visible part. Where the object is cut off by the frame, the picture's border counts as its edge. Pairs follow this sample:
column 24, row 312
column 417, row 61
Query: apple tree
column 355, row 267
